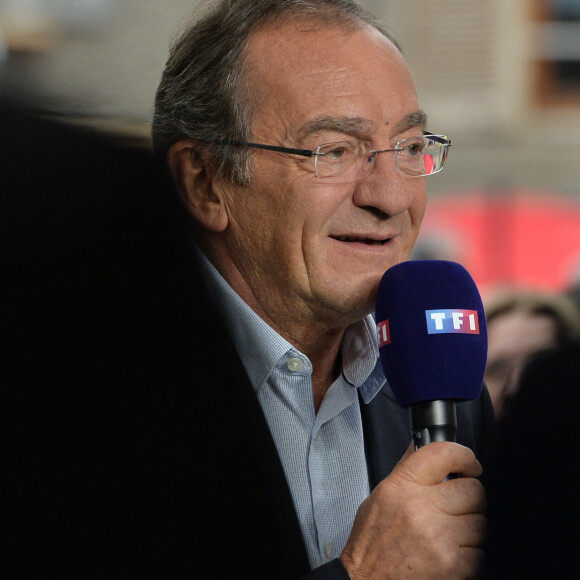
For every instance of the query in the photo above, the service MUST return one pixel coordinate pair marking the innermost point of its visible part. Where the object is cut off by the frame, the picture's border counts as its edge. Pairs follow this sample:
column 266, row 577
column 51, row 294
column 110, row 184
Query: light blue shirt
column 322, row 453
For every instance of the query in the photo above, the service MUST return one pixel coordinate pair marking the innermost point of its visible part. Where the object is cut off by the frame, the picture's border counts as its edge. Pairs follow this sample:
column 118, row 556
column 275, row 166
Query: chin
column 360, row 304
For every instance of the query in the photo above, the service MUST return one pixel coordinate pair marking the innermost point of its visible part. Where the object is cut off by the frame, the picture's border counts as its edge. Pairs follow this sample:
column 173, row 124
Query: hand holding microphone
column 413, row 525
column 433, row 346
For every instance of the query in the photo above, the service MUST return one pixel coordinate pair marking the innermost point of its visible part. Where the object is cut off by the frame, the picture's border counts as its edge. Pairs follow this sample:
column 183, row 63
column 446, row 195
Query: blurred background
column 502, row 79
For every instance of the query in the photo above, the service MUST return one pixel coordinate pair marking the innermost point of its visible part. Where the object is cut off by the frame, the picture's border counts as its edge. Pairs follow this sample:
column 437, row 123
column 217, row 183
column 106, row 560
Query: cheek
column 250, row 228
column 326, row 204
column 269, row 225
column 417, row 209
column 301, row 210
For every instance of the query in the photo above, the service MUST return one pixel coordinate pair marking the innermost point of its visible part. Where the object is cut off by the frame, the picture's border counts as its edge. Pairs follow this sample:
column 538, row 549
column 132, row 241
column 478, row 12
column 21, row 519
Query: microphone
column 432, row 343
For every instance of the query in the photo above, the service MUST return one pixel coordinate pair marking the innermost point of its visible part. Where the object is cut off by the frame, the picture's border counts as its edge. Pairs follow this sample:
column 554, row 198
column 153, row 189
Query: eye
column 334, row 152
column 414, row 148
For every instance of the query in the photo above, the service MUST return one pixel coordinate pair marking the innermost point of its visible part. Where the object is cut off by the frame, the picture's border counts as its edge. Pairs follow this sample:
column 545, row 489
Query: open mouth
column 367, row 241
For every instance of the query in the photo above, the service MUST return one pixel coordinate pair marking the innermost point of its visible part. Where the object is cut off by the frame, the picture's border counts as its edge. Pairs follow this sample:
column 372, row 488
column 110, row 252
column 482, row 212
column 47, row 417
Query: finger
column 432, row 463
column 461, row 496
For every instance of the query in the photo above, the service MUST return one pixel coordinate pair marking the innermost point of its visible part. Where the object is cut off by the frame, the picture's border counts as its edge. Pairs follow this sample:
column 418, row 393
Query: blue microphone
column 432, row 343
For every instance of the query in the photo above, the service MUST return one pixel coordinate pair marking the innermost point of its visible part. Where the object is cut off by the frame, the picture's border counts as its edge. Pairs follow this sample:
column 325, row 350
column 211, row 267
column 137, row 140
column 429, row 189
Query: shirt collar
column 360, row 355
column 260, row 347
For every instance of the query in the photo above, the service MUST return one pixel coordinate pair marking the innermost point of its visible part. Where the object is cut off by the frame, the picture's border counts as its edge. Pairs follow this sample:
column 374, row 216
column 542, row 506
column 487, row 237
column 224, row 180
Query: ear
column 193, row 178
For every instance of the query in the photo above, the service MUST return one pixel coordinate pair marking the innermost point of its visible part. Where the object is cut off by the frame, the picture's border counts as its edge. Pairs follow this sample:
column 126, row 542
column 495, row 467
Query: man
column 304, row 244
column 223, row 414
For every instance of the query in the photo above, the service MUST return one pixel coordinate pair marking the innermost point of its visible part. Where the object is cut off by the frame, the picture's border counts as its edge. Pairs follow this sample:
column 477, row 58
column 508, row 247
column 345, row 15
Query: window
column 557, row 52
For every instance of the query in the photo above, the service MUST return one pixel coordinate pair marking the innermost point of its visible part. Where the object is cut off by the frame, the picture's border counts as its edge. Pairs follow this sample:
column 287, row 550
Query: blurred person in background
column 521, row 324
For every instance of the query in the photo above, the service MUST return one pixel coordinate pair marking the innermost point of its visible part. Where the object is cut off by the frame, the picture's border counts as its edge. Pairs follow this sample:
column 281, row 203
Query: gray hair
column 202, row 95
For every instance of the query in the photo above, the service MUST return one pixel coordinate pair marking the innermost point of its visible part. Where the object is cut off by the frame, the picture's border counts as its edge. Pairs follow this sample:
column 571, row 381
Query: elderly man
column 238, row 423
column 294, row 135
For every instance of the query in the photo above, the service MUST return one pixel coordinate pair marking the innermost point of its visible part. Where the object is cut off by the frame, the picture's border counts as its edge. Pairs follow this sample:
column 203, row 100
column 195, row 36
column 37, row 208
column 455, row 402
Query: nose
column 386, row 188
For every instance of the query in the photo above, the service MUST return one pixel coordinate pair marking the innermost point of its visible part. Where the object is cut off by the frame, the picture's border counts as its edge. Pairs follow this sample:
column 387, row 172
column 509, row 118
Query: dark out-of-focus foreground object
column 533, row 499
column 93, row 269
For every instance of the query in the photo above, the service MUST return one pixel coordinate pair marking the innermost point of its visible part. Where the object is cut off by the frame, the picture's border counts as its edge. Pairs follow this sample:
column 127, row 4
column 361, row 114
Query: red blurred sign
column 509, row 237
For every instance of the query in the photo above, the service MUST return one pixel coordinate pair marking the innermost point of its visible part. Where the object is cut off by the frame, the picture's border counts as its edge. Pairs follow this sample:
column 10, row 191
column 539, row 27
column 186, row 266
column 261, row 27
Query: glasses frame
column 315, row 153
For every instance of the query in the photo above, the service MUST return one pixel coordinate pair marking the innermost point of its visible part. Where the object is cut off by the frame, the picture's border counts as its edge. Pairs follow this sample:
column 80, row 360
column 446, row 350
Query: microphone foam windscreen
column 432, row 332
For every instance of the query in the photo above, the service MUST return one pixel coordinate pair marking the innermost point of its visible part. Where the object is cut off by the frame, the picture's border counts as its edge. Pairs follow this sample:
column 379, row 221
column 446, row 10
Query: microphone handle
column 433, row 421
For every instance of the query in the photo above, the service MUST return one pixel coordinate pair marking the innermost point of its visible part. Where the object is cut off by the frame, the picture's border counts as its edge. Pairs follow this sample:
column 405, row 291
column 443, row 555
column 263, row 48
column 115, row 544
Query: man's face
column 298, row 249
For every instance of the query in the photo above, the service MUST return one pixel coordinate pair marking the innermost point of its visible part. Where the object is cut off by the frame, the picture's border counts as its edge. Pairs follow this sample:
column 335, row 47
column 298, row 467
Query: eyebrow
column 417, row 118
column 358, row 125
column 347, row 125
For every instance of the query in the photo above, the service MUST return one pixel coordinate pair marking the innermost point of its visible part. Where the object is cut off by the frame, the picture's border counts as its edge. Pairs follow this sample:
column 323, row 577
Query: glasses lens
column 343, row 161
column 418, row 156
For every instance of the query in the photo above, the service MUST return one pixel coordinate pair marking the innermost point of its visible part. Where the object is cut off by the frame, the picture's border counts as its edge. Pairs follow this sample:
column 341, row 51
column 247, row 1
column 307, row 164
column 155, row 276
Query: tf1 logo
column 444, row 321
column 451, row 321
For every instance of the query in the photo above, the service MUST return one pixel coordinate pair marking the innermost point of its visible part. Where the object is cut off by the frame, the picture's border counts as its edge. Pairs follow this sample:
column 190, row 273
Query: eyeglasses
column 352, row 160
